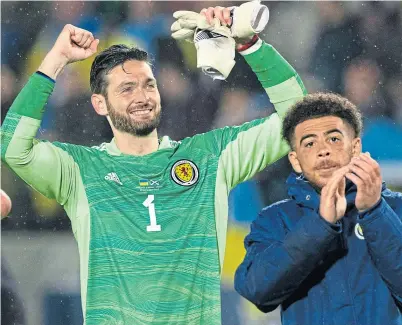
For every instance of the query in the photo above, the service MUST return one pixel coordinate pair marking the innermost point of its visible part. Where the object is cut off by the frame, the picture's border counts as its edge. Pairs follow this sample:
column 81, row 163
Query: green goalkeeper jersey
column 151, row 230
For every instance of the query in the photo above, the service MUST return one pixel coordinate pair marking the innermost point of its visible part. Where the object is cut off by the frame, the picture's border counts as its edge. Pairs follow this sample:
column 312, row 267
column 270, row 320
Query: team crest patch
column 359, row 232
column 184, row 172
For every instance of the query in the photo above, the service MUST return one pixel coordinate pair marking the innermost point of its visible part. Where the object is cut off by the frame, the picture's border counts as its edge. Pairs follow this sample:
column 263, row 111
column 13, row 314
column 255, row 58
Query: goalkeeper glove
column 187, row 21
column 215, row 47
column 248, row 19
column 215, row 51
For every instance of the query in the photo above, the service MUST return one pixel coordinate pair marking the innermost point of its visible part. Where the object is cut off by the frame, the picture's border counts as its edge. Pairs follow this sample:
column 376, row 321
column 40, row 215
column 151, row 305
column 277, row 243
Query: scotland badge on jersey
column 184, row 172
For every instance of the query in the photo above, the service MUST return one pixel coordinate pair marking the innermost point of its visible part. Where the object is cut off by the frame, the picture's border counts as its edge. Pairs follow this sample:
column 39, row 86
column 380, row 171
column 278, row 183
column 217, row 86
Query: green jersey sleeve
column 247, row 149
column 278, row 78
column 242, row 151
column 47, row 168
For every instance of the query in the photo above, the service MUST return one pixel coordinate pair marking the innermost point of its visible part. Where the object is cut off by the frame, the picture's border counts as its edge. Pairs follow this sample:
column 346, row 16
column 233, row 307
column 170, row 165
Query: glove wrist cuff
column 243, row 47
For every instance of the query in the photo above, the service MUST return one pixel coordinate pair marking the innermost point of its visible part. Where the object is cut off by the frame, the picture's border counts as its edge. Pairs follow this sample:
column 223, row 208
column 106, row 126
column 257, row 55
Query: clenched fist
column 73, row 44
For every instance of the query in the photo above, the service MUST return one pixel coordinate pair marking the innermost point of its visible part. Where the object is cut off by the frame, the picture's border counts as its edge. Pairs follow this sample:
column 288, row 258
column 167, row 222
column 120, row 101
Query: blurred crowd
column 353, row 48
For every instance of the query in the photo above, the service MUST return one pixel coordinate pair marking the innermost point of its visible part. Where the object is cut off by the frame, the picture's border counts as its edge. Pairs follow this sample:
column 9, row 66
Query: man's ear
column 99, row 104
column 294, row 161
column 356, row 146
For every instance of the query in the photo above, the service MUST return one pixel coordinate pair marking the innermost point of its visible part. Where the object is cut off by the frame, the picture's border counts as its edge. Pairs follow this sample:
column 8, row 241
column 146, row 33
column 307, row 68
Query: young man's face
column 321, row 146
column 133, row 101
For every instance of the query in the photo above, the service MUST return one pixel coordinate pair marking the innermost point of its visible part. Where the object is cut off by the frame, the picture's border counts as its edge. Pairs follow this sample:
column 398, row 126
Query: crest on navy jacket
column 359, row 231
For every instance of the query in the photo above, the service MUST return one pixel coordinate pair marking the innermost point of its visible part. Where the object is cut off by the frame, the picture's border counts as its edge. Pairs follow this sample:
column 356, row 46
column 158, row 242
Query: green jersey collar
column 164, row 143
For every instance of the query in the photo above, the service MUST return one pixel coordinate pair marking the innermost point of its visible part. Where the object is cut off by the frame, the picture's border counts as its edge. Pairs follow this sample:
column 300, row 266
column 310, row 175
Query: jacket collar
column 301, row 190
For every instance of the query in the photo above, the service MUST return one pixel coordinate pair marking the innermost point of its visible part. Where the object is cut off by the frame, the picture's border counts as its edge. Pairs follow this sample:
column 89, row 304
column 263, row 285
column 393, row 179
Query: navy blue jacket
column 344, row 274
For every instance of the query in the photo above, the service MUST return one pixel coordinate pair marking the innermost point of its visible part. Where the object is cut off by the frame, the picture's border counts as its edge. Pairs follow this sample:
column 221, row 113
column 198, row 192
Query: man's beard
column 126, row 124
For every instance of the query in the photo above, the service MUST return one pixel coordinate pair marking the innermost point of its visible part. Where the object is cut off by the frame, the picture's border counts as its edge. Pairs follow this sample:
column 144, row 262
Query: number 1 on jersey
column 148, row 203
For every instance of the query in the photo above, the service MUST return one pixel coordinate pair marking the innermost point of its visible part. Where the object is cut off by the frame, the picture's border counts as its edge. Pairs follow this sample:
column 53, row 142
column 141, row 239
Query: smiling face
column 321, row 146
column 133, row 101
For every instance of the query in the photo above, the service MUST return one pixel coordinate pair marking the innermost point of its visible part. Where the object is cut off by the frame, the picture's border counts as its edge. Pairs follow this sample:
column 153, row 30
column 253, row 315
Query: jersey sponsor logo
column 113, row 177
column 359, row 231
column 184, row 172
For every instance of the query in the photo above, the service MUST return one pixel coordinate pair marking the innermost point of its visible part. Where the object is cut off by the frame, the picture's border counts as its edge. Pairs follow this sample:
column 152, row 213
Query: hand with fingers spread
column 365, row 173
column 73, row 44
column 333, row 200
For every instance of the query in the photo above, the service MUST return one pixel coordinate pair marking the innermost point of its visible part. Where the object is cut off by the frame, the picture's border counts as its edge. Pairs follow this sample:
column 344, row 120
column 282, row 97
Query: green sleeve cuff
column 33, row 97
column 269, row 66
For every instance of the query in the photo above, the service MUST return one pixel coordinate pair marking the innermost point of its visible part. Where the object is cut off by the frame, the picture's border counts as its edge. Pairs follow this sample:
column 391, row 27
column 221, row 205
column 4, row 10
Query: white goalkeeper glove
column 215, row 51
column 248, row 19
column 187, row 22
column 215, row 47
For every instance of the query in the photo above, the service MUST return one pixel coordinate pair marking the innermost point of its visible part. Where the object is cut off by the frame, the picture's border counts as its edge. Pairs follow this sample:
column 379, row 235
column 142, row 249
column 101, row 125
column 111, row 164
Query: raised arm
column 247, row 149
column 44, row 166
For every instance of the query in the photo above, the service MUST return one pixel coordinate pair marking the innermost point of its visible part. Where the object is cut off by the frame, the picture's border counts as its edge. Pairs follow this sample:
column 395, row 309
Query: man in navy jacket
column 331, row 254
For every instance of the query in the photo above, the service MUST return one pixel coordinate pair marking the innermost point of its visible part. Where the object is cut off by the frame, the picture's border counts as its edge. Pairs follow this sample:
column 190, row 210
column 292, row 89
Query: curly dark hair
column 109, row 58
column 319, row 105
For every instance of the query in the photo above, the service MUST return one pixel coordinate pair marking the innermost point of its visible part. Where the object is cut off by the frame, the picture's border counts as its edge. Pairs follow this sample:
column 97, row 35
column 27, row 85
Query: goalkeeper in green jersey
column 149, row 213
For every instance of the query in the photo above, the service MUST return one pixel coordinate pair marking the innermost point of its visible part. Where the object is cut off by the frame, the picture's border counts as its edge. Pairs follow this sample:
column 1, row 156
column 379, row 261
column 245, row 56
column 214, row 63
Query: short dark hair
column 109, row 58
column 319, row 105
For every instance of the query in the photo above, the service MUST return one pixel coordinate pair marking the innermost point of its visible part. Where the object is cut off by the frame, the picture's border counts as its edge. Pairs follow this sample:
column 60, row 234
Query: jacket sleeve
column 382, row 230
column 278, row 260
